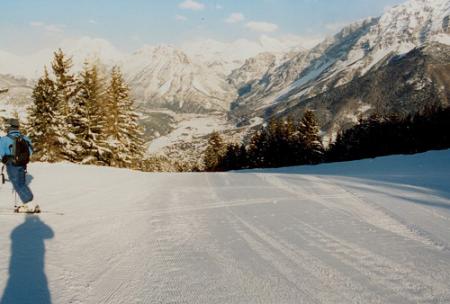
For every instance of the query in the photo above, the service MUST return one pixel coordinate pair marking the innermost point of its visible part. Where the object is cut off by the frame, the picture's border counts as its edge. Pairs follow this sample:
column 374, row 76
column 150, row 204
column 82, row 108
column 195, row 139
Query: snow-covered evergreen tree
column 310, row 138
column 124, row 135
column 87, row 117
column 66, row 89
column 44, row 121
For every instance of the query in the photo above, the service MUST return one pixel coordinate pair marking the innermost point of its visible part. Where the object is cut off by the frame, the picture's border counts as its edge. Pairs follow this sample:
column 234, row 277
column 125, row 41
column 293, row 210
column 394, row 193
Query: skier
column 15, row 152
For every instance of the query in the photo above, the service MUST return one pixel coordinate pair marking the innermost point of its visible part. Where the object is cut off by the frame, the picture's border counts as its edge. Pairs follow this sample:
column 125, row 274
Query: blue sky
column 29, row 25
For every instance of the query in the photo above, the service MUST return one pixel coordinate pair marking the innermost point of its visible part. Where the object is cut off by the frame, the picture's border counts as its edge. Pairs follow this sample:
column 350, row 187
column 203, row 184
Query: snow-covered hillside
column 371, row 231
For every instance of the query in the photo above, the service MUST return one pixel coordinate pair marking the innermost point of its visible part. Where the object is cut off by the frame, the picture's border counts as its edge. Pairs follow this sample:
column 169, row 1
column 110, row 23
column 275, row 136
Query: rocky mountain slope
column 298, row 72
column 165, row 77
column 257, row 67
column 354, row 52
column 200, row 76
column 405, row 84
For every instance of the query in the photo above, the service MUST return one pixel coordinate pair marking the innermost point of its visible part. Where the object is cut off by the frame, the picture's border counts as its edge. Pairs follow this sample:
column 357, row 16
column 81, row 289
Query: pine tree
column 286, row 139
column 136, row 137
column 66, row 89
column 87, row 118
column 214, row 153
column 44, row 121
column 291, row 138
column 309, row 138
column 65, row 81
column 273, row 147
column 231, row 158
column 243, row 159
column 257, row 148
column 124, row 135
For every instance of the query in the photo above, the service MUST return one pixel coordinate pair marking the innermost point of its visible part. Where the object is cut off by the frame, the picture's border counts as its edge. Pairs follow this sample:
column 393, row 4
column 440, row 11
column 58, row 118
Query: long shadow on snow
column 27, row 282
column 434, row 199
column 424, row 174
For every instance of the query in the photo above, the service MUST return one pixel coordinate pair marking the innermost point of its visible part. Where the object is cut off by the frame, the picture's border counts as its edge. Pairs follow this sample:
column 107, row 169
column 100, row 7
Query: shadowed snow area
column 371, row 231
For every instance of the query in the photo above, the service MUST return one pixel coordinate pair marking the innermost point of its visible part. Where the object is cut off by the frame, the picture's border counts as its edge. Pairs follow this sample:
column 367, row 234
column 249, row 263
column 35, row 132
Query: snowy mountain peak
column 162, row 52
column 164, row 76
column 91, row 50
column 89, row 46
column 419, row 6
column 413, row 22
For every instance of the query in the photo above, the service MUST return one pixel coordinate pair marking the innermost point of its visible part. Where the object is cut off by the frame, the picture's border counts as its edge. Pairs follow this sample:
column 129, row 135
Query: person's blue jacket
column 6, row 142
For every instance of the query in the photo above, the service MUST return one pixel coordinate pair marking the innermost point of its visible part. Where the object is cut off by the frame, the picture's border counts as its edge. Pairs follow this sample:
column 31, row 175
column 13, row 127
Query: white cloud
column 36, row 23
column 260, row 26
column 235, row 18
column 92, row 21
column 180, row 18
column 191, row 5
column 219, row 7
column 51, row 28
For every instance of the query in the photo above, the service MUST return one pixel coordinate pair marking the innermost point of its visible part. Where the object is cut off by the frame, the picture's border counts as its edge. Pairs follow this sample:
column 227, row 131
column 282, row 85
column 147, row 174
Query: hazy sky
column 30, row 25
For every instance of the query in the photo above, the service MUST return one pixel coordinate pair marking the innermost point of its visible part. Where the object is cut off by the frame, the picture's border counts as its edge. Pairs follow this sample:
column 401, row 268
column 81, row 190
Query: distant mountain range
column 398, row 62
column 189, row 79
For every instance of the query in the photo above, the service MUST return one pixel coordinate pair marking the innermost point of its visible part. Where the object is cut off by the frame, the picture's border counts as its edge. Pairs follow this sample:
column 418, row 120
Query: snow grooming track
column 322, row 281
column 290, row 235
column 397, row 281
column 348, row 202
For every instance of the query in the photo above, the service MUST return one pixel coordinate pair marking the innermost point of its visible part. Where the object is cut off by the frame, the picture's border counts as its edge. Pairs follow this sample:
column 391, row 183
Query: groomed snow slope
column 372, row 231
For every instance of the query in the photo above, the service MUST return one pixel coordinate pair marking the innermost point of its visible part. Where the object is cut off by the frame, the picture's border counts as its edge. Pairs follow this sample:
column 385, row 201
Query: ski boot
column 29, row 208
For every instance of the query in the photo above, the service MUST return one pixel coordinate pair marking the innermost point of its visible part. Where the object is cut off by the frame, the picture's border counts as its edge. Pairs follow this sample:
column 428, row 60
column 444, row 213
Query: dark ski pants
column 17, row 177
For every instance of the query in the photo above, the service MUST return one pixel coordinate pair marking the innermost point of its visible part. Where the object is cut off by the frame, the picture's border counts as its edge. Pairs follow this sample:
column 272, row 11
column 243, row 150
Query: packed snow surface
column 371, row 231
